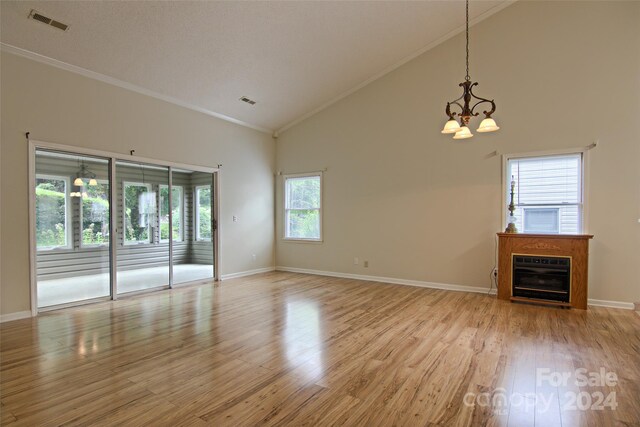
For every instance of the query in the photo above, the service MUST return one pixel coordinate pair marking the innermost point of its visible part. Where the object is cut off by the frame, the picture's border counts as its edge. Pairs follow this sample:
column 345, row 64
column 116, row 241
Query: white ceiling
column 293, row 58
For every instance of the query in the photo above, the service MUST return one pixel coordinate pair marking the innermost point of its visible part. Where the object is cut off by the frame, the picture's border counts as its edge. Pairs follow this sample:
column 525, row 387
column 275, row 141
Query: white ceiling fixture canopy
column 294, row 57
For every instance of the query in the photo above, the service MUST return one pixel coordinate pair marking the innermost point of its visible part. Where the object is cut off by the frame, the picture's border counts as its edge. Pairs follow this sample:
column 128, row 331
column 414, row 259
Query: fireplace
column 542, row 277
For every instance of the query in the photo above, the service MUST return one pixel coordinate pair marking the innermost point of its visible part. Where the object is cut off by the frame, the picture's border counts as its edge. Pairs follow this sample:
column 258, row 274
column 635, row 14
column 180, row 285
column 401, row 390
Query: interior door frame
column 113, row 157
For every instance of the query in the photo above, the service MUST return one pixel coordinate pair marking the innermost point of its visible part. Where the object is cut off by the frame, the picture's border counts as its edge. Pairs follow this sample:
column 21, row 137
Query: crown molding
column 398, row 64
column 124, row 85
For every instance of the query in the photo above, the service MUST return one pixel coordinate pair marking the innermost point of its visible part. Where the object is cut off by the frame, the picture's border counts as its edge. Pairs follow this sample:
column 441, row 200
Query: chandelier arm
column 473, row 94
column 458, row 104
column 458, row 99
column 478, row 103
column 493, row 110
column 485, row 112
column 448, row 111
column 453, row 114
column 481, row 101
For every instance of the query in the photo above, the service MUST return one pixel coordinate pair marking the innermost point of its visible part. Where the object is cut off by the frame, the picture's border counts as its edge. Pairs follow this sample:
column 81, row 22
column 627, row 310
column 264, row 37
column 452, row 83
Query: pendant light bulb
column 451, row 126
column 488, row 125
column 463, row 133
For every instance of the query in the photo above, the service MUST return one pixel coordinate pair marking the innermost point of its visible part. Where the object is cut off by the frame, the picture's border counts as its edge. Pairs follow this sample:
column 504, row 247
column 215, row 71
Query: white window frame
column 124, row 215
column 67, row 213
column 182, row 210
column 80, row 238
column 584, row 180
column 286, row 210
column 196, row 205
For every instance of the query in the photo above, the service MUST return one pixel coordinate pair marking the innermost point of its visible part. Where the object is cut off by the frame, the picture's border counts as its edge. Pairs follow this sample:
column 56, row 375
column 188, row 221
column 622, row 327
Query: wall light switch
column 235, row 218
column 356, row 261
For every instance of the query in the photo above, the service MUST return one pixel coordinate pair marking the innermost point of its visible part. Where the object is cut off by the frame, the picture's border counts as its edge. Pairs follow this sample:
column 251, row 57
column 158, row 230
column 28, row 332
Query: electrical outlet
column 356, row 261
column 495, row 273
column 366, row 264
column 254, row 257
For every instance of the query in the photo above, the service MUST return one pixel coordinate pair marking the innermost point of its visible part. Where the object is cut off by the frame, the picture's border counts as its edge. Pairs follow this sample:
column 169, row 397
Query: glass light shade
column 488, row 125
column 78, row 182
column 93, row 182
column 451, row 126
column 463, row 133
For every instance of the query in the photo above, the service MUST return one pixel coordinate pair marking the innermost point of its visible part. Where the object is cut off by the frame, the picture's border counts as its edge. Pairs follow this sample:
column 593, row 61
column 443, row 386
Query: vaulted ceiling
column 292, row 58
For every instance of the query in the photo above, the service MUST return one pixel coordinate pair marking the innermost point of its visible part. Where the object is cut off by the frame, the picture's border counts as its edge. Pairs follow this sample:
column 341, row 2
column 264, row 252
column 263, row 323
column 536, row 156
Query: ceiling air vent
column 37, row 16
column 247, row 100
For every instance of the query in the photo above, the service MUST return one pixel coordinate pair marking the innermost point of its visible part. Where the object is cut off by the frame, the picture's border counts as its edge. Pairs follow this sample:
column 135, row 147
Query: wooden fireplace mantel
column 575, row 246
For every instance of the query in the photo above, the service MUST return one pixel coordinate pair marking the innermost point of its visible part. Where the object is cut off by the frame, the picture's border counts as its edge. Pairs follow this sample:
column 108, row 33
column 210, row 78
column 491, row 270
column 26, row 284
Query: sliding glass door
column 162, row 217
column 143, row 245
column 193, row 225
column 71, row 228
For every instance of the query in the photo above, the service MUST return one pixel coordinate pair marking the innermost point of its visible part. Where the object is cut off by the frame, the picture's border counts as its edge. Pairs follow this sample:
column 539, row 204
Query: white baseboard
column 433, row 285
column 247, row 273
column 610, row 304
column 14, row 316
column 395, row 281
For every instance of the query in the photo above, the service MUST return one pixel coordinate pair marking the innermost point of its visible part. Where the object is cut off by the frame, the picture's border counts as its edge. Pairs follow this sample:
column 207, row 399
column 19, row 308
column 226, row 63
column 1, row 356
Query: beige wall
column 419, row 206
column 59, row 106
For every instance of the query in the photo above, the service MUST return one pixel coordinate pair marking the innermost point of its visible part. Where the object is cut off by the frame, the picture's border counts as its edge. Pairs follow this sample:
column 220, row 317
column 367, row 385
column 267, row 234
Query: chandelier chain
column 467, row 78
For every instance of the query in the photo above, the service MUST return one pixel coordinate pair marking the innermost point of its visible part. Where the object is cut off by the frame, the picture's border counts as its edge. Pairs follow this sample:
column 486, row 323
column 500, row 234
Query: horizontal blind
column 550, row 180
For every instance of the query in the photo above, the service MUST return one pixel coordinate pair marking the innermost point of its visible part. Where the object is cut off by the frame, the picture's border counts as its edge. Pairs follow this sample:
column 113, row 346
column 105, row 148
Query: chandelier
column 83, row 174
column 468, row 106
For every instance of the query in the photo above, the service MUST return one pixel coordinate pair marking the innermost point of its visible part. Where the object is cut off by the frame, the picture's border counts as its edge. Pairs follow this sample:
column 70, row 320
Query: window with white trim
column 52, row 212
column 176, row 213
column 203, row 213
column 303, row 207
column 139, row 212
column 548, row 193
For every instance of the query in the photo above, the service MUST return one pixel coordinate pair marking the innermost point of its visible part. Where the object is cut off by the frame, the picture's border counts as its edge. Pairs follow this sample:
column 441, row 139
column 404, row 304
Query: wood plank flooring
column 294, row 349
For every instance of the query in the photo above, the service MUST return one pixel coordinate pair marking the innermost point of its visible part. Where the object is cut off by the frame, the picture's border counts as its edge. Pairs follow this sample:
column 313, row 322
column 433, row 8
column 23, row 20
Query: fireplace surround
column 544, row 268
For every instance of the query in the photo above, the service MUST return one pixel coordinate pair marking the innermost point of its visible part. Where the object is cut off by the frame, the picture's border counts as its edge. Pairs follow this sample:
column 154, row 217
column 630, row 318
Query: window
column 548, row 193
column 542, row 220
column 95, row 214
column 203, row 212
column 52, row 212
column 139, row 212
column 176, row 212
column 302, row 206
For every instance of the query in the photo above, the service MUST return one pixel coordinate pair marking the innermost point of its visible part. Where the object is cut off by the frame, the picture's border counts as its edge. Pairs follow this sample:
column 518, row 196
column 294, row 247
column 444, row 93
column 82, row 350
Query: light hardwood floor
column 294, row 349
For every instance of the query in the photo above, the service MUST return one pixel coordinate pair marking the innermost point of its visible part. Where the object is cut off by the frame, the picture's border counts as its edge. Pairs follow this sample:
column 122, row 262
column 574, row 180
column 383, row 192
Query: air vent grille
column 59, row 25
column 37, row 16
column 247, row 100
